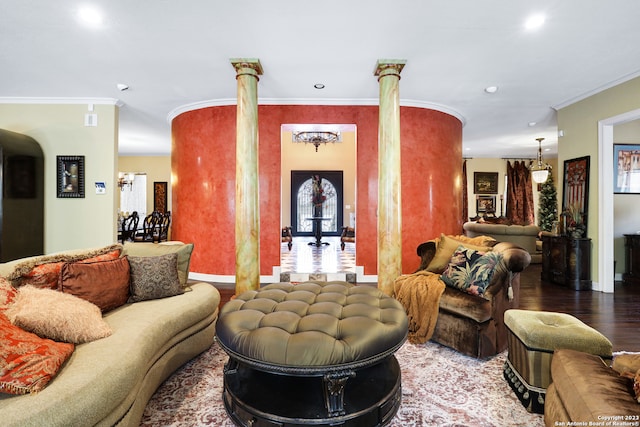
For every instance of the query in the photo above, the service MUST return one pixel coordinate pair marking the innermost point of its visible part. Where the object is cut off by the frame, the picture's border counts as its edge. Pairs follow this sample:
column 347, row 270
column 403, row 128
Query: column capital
column 250, row 66
column 385, row 67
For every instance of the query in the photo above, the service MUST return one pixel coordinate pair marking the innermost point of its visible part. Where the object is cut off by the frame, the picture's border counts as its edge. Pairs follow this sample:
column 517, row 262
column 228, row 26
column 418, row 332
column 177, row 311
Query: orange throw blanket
column 419, row 293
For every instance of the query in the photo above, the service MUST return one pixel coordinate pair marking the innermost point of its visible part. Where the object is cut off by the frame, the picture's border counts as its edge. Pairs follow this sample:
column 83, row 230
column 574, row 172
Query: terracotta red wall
column 203, row 166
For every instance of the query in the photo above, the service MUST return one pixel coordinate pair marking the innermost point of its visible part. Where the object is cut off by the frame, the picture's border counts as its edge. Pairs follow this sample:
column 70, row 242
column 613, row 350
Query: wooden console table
column 567, row 261
column 631, row 259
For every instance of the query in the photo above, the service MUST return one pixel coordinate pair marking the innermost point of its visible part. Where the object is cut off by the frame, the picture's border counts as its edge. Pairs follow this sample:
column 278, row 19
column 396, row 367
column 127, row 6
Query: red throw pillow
column 46, row 275
column 28, row 362
column 104, row 283
column 7, row 294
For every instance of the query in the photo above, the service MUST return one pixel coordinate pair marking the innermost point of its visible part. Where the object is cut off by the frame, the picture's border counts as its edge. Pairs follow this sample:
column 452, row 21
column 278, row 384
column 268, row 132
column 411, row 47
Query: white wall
column 60, row 130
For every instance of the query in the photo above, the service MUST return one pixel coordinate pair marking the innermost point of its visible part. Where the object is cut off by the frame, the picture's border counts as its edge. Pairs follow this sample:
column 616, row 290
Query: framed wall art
column 575, row 197
column 626, row 169
column 160, row 196
column 485, row 182
column 70, row 173
column 486, row 204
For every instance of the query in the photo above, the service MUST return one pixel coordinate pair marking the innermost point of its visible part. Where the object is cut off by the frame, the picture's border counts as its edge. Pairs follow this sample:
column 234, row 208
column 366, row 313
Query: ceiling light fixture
column 90, row 16
column 534, row 22
column 540, row 170
column 122, row 87
column 318, row 86
column 316, row 137
column 491, row 89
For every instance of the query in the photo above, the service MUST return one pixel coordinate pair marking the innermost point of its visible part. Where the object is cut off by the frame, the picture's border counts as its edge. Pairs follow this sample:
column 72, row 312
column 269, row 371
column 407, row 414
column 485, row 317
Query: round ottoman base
column 257, row 398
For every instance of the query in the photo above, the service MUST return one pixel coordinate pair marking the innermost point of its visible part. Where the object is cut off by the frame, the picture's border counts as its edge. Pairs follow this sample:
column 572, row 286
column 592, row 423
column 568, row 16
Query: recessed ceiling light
column 90, row 16
column 534, row 22
column 532, row 124
column 491, row 89
column 318, row 86
column 122, row 87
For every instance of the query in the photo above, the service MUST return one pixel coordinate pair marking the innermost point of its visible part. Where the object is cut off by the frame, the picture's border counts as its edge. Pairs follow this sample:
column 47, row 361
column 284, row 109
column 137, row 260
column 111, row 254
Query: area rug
column 440, row 387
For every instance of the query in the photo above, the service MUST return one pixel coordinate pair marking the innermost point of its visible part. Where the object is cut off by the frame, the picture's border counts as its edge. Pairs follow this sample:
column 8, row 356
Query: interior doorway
column 302, row 207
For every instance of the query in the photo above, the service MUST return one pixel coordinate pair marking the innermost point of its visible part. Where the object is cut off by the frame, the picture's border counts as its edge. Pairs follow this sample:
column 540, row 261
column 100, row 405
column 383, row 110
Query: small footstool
column 532, row 337
column 316, row 353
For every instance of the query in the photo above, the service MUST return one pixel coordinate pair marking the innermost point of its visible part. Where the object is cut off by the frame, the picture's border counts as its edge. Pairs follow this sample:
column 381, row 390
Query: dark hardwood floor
column 616, row 316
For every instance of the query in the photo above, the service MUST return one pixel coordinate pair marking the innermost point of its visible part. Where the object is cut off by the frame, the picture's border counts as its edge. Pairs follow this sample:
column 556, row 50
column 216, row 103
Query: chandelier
column 540, row 170
column 316, row 137
column 126, row 180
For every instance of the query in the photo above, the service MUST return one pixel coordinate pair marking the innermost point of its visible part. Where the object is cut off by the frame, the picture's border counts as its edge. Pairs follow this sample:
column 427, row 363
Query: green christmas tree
column 547, row 204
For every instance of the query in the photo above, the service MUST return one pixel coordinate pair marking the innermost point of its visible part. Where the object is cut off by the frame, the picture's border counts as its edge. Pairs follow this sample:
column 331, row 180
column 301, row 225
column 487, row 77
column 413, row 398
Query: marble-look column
column 389, row 191
column 247, row 227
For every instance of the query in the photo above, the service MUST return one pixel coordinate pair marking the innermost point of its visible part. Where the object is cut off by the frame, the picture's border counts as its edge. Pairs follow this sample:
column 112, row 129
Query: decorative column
column 247, row 226
column 389, row 191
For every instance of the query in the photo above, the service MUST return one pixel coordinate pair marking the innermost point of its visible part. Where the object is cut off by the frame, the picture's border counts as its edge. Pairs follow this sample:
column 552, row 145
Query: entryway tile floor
column 310, row 262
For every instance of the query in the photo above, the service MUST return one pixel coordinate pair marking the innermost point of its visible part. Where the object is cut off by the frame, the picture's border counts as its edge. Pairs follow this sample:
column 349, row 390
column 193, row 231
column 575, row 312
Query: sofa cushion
column 447, row 246
column 28, row 362
column 44, row 271
column 104, row 283
column 588, row 388
column 184, row 251
column 154, row 277
column 57, row 316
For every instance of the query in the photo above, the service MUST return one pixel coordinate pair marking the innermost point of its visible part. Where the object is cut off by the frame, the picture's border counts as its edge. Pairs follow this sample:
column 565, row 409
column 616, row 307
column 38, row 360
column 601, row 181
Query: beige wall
column 500, row 166
column 338, row 156
column 157, row 168
column 579, row 122
column 60, row 130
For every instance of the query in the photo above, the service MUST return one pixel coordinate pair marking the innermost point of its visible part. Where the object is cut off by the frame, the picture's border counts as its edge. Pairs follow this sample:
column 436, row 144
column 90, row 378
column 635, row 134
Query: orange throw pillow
column 104, row 283
column 28, row 362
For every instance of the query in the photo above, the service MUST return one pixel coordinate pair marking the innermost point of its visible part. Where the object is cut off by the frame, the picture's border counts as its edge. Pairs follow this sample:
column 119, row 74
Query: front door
column 303, row 206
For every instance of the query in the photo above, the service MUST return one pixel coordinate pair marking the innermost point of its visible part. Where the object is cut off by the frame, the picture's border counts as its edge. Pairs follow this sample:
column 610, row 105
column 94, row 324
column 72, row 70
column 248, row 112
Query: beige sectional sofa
column 110, row 380
column 524, row 236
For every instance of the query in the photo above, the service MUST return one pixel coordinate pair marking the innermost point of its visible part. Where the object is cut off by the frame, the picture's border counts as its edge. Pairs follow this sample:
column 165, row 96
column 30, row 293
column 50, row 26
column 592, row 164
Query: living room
column 194, row 151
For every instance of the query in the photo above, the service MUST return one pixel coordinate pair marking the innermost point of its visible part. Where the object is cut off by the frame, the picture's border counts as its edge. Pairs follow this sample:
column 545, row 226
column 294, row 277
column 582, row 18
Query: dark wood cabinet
column 567, row 261
column 631, row 259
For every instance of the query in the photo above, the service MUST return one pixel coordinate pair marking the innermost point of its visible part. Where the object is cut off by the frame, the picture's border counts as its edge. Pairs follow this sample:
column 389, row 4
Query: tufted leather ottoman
column 533, row 336
column 317, row 353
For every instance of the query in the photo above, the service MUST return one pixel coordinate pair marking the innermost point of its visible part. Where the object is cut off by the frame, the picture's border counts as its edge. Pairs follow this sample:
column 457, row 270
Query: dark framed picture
column 485, row 203
column 160, row 196
column 626, row 169
column 485, row 182
column 575, row 197
column 70, row 176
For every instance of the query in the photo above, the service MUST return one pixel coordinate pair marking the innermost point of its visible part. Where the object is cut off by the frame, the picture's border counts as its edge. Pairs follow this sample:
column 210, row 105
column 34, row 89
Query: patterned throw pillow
column 57, row 316
column 28, row 362
column 7, row 293
column 154, row 277
column 458, row 271
column 482, row 271
column 470, row 270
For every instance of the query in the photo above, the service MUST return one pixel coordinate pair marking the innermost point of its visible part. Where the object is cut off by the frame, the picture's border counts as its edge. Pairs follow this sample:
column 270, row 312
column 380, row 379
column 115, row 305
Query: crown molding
column 61, row 100
column 597, row 90
column 314, row 101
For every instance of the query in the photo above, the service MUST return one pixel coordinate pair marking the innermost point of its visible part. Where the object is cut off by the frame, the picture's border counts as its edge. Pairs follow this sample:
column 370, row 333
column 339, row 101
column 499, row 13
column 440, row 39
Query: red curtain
column 520, row 208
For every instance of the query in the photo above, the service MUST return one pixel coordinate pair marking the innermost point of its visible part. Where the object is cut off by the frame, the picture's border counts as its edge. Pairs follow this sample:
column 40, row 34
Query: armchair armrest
column 514, row 257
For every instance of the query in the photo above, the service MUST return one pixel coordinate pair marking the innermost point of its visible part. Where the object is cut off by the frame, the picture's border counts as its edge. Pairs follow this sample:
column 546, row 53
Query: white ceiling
column 175, row 53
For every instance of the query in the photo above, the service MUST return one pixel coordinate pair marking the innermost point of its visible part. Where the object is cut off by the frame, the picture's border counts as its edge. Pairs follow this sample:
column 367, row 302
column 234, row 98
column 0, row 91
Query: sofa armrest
column 426, row 251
